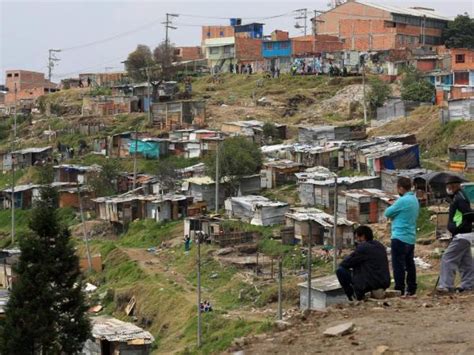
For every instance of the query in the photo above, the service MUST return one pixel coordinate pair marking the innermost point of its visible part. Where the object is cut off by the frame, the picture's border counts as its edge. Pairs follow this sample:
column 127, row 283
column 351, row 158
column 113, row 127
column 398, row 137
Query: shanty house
column 119, row 209
column 149, row 148
column 119, row 146
column 24, row 158
column 461, row 158
column 279, row 172
column 73, row 173
column 310, row 155
column 167, row 207
column 322, row 134
column 320, row 225
column 252, row 129
column 69, row 197
column 321, row 192
column 461, row 109
column 113, row 336
column 257, row 210
column 178, row 114
column 364, row 206
column 24, row 196
column 203, row 189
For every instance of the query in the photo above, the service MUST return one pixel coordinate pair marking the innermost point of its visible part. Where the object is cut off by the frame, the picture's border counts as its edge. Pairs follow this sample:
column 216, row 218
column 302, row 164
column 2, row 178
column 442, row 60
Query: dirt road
column 424, row 326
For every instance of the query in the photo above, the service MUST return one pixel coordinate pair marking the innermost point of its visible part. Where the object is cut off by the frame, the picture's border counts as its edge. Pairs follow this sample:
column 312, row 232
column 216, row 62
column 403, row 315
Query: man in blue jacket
column 366, row 268
column 404, row 214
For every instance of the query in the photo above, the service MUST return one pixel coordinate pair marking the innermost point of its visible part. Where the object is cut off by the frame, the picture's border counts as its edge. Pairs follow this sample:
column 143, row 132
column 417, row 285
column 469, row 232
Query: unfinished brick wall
column 248, row 49
column 279, row 35
column 189, row 53
column 468, row 63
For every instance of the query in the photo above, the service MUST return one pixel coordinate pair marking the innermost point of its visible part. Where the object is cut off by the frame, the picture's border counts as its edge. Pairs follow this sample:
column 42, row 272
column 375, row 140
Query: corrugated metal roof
column 32, row 150
column 112, row 329
column 318, row 216
column 406, row 11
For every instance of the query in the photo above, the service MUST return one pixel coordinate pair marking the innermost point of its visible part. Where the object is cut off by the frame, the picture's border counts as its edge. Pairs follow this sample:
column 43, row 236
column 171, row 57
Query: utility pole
column 302, row 14
column 334, row 231
column 51, row 59
column 13, row 166
column 217, row 178
column 199, row 330
column 84, row 231
column 148, row 92
column 310, row 261
column 135, row 159
column 168, row 25
column 364, row 102
column 280, row 287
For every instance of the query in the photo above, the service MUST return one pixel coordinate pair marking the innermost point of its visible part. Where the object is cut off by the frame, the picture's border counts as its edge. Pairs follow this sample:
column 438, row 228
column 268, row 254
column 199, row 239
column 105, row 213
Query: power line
column 122, row 34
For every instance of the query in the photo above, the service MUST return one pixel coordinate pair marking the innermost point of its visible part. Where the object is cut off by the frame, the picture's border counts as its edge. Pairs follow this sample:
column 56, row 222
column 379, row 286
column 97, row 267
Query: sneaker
column 461, row 289
column 408, row 296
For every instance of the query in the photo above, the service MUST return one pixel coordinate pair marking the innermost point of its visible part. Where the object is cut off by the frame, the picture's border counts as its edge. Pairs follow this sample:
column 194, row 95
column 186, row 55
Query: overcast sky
column 29, row 28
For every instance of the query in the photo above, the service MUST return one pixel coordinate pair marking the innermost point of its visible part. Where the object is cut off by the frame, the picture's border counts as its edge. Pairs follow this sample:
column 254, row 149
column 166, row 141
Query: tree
column 270, row 132
column 46, row 312
column 379, row 92
column 105, row 182
column 167, row 175
column 137, row 61
column 460, row 32
column 165, row 55
column 238, row 157
column 415, row 87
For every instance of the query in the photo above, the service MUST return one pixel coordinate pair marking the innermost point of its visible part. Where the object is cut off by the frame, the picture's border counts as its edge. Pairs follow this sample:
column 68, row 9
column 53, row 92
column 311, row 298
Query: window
column 284, row 45
column 364, row 207
column 269, row 46
column 221, row 33
column 214, row 50
column 9, row 75
column 460, row 58
column 227, row 49
column 16, row 75
column 461, row 78
column 208, row 34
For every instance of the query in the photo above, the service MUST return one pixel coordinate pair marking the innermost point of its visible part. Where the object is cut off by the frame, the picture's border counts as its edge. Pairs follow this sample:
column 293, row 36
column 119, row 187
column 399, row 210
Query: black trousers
column 345, row 279
column 403, row 264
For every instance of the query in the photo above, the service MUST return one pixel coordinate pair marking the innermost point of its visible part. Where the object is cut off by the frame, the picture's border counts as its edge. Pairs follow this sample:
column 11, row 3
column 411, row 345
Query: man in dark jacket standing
column 457, row 256
column 366, row 269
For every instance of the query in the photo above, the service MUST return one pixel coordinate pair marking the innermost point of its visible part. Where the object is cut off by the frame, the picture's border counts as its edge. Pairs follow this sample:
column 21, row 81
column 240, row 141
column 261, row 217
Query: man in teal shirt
column 403, row 214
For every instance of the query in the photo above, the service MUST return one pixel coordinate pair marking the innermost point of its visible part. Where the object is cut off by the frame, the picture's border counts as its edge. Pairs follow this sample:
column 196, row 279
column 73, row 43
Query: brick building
column 226, row 46
column 188, row 53
column 365, row 26
column 29, row 86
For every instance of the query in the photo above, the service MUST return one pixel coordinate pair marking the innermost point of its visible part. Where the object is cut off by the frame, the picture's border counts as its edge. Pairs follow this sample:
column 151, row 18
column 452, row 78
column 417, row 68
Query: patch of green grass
column 6, row 178
column 147, row 233
column 217, row 333
column 424, row 224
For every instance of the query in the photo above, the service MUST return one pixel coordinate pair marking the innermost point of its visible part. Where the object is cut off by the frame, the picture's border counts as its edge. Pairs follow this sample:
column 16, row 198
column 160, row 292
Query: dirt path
column 425, row 326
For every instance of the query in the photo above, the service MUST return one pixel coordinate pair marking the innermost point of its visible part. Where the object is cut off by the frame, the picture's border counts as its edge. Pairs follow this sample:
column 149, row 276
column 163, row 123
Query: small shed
column 325, row 291
column 321, row 192
column 119, row 145
column 113, row 336
column 24, row 196
column 322, row 226
column 279, row 172
column 167, row 207
column 24, row 158
column 179, row 114
column 73, row 173
column 461, row 158
column 364, row 206
column 149, row 148
column 461, row 109
column 257, row 210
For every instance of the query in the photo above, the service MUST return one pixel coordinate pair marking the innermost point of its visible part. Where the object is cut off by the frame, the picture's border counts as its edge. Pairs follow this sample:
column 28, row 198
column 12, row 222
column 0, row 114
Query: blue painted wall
column 271, row 49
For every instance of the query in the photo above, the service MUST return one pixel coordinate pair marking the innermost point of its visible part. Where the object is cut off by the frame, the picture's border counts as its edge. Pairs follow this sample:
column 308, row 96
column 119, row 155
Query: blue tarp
column 405, row 159
column 146, row 149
